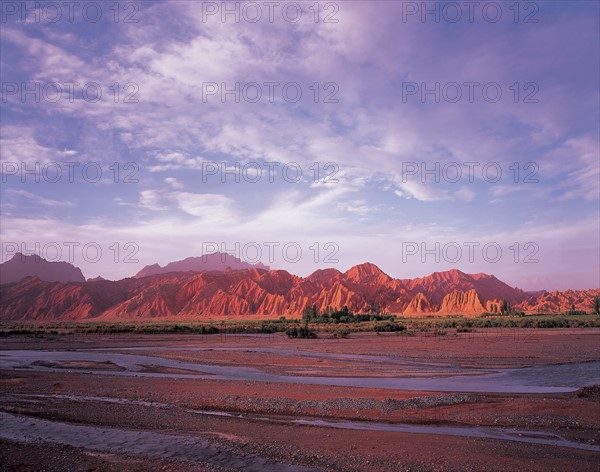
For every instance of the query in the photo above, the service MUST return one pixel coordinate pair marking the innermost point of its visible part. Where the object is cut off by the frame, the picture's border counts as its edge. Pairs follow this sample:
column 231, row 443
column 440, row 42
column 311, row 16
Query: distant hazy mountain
column 216, row 261
column 21, row 266
column 96, row 279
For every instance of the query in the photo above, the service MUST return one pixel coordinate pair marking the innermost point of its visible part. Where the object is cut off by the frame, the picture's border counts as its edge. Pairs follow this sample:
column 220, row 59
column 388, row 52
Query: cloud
column 176, row 161
column 152, row 200
column 47, row 202
column 174, row 183
column 358, row 207
column 368, row 134
column 581, row 174
column 210, row 208
column 421, row 192
column 19, row 145
column 53, row 61
column 465, row 194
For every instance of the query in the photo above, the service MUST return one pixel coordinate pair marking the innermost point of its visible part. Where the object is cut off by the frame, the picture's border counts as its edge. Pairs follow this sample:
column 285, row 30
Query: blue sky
column 370, row 124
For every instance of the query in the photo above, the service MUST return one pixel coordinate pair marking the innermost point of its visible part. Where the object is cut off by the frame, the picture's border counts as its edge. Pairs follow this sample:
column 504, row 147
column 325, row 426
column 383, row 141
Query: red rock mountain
column 418, row 305
column 459, row 302
column 216, row 261
column 262, row 293
column 21, row 266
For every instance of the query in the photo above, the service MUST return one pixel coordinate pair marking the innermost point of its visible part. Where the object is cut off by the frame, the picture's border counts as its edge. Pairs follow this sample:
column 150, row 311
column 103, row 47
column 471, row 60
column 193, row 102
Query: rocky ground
column 254, row 422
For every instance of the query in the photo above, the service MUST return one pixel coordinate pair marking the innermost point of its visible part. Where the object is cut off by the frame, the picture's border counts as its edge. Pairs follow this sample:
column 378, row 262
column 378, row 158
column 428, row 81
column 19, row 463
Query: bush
column 575, row 312
column 387, row 327
column 302, row 332
column 462, row 329
column 292, row 332
column 209, row 330
column 266, row 328
column 408, row 332
column 593, row 391
column 329, row 315
column 341, row 333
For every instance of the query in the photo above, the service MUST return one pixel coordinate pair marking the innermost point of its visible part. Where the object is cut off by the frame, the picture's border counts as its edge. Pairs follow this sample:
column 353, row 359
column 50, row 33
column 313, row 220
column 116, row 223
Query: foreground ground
column 77, row 408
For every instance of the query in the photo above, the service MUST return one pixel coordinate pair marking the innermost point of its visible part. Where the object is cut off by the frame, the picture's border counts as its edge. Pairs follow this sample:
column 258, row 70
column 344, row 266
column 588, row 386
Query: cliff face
column 459, row 302
column 439, row 284
column 32, row 299
column 418, row 305
column 555, row 302
column 257, row 292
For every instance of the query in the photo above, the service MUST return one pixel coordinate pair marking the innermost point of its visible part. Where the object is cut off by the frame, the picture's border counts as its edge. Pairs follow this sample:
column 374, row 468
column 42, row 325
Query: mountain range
column 21, row 266
column 255, row 292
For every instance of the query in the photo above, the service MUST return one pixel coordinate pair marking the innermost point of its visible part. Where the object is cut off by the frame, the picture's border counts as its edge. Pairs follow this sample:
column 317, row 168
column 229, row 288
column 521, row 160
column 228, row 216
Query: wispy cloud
column 31, row 197
column 172, row 129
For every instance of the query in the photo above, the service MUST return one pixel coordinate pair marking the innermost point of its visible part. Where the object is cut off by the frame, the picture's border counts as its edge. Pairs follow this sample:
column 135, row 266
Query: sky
column 420, row 137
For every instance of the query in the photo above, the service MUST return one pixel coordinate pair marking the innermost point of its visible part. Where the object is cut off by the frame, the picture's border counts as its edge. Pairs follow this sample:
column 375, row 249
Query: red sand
column 574, row 418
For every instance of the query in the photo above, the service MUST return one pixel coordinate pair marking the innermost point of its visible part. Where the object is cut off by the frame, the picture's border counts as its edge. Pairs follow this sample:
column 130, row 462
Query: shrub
column 209, row 329
column 387, row 327
column 292, row 332
column 408, row 332
column 267, row 328
column 592, row 391
column 461, row 329
column 341, row 333
column 301, row 332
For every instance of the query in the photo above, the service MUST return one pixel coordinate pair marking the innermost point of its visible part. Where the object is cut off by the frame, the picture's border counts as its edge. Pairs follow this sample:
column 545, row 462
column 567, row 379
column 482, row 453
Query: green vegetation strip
column 305, row 328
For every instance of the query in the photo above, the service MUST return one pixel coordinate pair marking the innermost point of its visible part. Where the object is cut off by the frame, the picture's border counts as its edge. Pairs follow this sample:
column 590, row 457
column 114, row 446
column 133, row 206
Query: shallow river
column 401, row 376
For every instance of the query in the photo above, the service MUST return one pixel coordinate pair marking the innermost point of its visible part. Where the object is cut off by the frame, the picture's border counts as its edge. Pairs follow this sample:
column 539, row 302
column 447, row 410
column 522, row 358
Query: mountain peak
column 366, row 273
column 23, row 265
column 452, row 275
column 25, row 257
column 219, row 261
column 453, row 272
column 323, row 274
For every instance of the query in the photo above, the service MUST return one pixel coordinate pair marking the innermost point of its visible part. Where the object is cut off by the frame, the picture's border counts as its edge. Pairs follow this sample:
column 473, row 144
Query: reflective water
column 437, row 377
column 124, row 441
column 533, row 437
column 498, row 433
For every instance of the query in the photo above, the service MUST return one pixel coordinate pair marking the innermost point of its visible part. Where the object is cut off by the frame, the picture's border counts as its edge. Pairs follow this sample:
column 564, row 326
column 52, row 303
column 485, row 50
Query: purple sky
column 402, row 111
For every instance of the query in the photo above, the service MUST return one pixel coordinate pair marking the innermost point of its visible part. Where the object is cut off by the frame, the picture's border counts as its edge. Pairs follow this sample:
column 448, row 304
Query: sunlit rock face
column 256, row 292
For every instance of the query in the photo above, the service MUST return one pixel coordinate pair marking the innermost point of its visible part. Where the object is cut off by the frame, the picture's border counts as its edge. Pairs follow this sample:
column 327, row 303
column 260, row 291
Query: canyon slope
column 259, row 293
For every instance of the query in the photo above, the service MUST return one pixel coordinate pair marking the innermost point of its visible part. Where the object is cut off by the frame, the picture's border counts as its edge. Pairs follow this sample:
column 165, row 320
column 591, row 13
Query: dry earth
column 103, row 417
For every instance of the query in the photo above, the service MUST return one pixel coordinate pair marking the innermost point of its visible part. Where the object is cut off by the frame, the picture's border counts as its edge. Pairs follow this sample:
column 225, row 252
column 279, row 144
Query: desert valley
column 354, row 398
column 299, row 236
